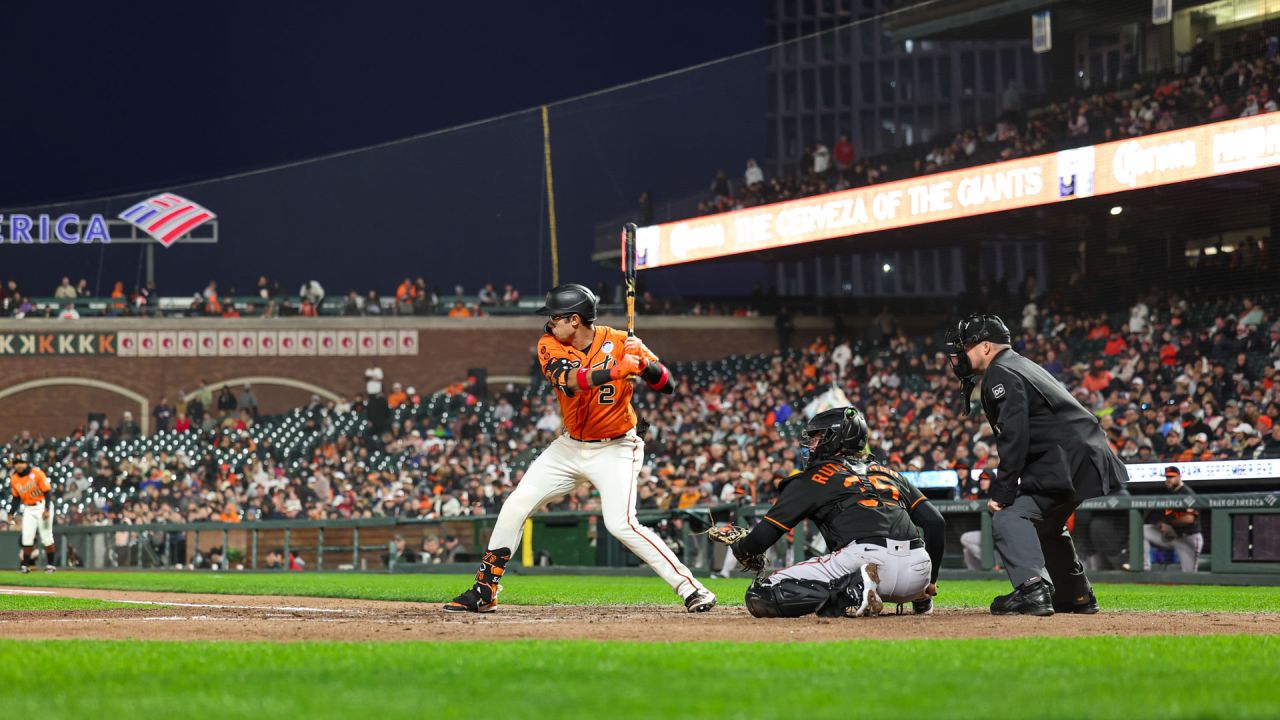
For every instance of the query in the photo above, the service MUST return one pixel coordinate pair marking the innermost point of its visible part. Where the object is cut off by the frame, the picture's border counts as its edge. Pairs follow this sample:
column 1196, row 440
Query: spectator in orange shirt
column 229, row 514
column 1199, row 449
column 1115, row 345
column 689, row 496
column 308, row 309
column 459, row 311
column 1097, row 379
column 1100, row 331
column 406, row 294
column 397, row 396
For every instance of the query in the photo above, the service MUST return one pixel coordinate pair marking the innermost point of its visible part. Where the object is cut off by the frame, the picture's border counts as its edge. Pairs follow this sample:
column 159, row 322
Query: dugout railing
column 1241, row 535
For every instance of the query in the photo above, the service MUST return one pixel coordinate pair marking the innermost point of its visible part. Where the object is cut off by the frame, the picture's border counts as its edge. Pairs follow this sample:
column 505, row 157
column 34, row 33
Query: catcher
column 870, row 514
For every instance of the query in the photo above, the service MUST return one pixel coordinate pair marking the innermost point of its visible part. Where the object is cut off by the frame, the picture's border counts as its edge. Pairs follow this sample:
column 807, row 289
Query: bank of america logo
column 166, row 217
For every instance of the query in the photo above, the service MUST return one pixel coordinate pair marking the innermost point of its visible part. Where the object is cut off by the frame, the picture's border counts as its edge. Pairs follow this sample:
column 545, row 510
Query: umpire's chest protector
column 1041, row 431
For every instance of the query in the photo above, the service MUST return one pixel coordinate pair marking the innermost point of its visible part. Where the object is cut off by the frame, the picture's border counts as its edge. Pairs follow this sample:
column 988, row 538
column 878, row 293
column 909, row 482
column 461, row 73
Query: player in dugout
column 873, row 516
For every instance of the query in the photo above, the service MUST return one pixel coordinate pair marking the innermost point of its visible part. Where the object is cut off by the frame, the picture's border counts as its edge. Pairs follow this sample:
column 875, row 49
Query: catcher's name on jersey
column 30, row 488
column 848, row 505
column 597, row 413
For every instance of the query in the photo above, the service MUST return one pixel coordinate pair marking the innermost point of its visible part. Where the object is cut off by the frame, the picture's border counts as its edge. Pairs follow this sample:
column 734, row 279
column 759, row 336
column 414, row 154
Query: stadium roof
column 986, row 19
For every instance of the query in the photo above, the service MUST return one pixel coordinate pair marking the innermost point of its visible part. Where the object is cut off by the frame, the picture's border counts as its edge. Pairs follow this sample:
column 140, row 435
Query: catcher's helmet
column 838, row 431
column 571, row 298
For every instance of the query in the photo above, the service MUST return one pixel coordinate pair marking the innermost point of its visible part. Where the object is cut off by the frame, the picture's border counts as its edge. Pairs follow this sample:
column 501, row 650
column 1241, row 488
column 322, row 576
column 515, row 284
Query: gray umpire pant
column 1031, row 535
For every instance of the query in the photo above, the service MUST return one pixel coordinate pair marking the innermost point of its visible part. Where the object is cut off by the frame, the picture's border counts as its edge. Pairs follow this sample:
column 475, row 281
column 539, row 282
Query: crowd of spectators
column 1242, row 82
column 412, row 296
column 1170, row 380
column 267, row 299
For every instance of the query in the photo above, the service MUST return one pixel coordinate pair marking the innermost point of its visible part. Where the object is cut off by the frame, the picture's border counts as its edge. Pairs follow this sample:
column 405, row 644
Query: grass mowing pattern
column 1101, row 677
column 44, row 602
column 597, row 590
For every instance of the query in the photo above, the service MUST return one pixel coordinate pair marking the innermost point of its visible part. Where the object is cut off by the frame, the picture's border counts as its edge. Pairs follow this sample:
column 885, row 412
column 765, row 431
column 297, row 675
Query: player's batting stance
column 590, row 367
column 871, row 514
column 31, row 487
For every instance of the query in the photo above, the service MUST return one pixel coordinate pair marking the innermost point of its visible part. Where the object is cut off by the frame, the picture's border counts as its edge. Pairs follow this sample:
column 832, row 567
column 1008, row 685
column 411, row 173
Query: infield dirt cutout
column 187, row 616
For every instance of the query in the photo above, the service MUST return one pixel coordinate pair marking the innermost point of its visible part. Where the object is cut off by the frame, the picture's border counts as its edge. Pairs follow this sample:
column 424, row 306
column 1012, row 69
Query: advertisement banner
column 68, row 343
column 1150, row 161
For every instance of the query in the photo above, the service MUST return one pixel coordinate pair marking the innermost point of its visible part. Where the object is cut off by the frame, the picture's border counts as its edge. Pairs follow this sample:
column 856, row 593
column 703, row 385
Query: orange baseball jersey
column 31, row 488
column 601, row 412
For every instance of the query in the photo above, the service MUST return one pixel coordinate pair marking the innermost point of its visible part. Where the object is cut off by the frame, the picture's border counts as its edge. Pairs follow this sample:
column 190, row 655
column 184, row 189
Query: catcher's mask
column 971, row 331
column 835, row 432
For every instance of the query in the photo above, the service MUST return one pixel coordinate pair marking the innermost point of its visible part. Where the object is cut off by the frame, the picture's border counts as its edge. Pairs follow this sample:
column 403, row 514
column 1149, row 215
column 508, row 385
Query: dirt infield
column 285, row 619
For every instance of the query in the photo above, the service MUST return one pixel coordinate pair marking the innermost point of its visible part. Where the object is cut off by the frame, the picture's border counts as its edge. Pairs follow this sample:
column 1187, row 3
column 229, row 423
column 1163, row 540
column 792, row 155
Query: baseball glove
column 730, row 535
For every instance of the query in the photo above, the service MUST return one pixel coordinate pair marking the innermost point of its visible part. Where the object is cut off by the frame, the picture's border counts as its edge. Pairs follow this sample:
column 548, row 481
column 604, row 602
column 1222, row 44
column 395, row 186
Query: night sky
column 114, row 98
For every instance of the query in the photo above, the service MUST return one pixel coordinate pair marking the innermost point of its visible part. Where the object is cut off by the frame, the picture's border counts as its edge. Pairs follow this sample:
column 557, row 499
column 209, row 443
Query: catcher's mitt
column 730, row 535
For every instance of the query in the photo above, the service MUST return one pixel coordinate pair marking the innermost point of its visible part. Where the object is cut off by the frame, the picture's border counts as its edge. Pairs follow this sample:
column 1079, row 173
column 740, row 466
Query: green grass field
column 596, row 590
column 44, row 602
column 1231, row 676
column 1106, row 677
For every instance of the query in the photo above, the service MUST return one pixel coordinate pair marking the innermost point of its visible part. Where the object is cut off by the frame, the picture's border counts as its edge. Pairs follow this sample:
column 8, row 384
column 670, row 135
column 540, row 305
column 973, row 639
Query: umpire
column 1053, row 456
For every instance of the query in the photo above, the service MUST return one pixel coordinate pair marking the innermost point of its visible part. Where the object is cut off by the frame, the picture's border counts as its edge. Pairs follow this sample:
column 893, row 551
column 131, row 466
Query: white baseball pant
column 34, row 523
column 611, row 466
column 904, row 572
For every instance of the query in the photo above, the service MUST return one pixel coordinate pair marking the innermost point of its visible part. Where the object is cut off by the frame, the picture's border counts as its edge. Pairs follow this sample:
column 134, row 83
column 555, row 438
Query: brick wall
column 447, row 348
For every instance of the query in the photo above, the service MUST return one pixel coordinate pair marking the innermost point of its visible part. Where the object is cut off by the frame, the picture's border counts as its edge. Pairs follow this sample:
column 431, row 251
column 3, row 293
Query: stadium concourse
column 1172, row 377
column 1243, row 82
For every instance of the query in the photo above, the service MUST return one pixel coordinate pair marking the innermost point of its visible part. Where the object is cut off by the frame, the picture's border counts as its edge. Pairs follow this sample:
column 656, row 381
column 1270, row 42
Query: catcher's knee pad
column 788, row 598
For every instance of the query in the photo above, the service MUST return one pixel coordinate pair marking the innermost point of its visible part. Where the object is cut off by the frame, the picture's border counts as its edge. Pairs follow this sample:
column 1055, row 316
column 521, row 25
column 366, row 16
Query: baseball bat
column 629, row 274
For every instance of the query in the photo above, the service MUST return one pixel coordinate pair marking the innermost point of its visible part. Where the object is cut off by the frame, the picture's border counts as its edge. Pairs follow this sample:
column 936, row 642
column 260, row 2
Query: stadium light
column 1116, row 210
column 887, row 268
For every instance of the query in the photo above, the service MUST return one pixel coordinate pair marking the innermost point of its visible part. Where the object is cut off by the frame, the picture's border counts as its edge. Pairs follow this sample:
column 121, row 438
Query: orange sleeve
column 549, row 349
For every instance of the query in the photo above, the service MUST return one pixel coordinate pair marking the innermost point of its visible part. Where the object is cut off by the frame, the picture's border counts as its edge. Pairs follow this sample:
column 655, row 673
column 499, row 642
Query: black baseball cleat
column 1086, row 604
column 1034, row 599
column 700, row 601
column 918, row 607
column 479, row 599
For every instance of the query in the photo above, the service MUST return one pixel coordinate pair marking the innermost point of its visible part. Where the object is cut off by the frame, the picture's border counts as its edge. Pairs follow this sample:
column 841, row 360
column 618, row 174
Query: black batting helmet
column 571, row 298
column 838, row 431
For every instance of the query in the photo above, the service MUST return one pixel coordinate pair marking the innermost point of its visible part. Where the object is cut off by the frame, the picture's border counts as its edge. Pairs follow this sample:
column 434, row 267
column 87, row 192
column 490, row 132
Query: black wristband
column 600, row 377
column 652, row 372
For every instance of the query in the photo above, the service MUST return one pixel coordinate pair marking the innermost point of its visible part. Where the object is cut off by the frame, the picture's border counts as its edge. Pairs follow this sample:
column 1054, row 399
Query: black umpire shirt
column 1045, row 436
column 848, row 506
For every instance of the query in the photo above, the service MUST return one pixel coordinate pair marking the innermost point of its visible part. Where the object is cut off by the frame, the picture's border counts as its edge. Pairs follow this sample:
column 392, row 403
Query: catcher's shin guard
column 483, row 595
column 788, row 598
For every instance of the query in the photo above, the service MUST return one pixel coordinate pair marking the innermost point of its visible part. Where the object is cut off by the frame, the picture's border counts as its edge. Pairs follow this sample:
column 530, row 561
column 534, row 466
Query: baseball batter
column 589, row 366
column 872, row 516
column 31, row 487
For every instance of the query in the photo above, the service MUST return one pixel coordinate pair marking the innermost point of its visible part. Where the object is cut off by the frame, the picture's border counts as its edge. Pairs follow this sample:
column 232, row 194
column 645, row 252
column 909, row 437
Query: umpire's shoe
column 1086, row 604
column 1029, row 599
column 700, row 601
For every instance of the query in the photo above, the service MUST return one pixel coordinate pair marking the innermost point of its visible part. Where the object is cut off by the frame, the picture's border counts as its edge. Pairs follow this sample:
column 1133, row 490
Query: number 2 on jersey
column 605, row 393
